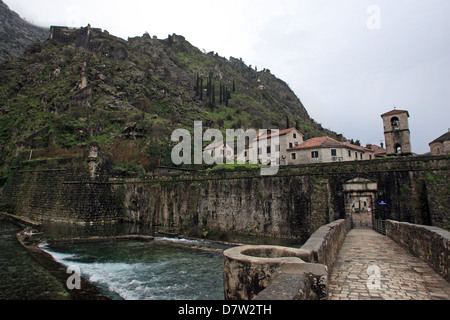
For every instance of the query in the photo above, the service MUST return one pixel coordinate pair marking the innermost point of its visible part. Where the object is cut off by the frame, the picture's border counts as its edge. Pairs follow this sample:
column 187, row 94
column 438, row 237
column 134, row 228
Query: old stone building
column 379, row 150
column 441, row 145
column 325, row 150
column 397, row 133
column 287, row 139
column 222, row 152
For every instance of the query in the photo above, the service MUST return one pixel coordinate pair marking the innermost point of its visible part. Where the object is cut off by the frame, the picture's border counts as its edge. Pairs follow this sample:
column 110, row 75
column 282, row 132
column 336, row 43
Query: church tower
column 396, row 133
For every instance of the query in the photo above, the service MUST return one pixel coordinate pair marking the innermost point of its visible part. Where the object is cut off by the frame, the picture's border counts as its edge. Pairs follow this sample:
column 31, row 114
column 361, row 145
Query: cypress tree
column 208, row 86
column 201, row 88
column 197, row 86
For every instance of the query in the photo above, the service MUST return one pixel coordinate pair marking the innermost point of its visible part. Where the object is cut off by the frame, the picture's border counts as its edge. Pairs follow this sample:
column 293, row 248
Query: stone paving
column 371, row 266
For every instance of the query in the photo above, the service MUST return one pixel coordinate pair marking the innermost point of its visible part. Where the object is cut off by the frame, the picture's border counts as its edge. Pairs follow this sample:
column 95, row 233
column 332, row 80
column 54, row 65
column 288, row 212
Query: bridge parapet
column 430, row 244
column 281, row 273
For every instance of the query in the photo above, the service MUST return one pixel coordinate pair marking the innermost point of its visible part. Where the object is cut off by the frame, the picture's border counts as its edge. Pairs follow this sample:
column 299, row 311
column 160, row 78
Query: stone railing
column 280, row 273
column 326, row 242
column 430, row 244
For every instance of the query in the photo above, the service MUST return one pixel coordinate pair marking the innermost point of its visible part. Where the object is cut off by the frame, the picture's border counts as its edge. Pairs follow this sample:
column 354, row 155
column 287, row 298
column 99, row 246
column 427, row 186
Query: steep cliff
column 85, row 84
column 16, row 34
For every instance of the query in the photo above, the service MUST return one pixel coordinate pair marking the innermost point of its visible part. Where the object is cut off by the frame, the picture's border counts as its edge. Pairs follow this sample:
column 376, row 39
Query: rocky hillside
column 16, row 34
column 85, row 84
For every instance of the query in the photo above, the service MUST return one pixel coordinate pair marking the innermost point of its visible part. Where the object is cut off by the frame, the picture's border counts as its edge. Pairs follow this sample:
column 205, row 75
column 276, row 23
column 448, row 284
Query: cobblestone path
column 371, row 266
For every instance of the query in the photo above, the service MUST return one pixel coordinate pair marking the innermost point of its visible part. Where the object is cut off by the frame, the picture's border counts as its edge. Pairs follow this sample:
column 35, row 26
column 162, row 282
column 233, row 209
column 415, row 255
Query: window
column 294, row 156
column 290, row 145
column 356, row 155
column 361, row 156
column 333, row 152
column 269, row 150
column 315, row 154
column 349, row 153
column 295, row 136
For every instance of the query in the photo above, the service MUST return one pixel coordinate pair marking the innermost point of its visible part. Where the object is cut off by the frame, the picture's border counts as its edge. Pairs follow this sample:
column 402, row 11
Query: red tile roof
column 320, row 142
column 217, row 145
column 327, row 142
column 444, row 137
column 379, row 151
column 394, row 112
column 280, row 133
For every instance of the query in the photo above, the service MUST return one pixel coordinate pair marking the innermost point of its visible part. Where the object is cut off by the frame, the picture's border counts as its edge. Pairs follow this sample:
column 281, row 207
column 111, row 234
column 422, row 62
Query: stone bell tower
column 396, row 133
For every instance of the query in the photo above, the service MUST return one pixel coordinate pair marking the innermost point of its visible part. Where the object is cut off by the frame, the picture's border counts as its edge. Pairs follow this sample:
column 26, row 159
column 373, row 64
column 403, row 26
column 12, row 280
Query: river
column 164, row 269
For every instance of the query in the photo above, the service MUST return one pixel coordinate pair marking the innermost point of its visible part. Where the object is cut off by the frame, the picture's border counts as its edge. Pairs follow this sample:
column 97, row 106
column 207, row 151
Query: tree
column 201, row 88
column 227, row 96
column 208, row 87
column 197, row 85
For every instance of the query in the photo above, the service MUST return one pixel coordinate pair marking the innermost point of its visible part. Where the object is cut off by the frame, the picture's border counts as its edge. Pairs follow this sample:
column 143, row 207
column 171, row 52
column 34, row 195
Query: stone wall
column 430, row 244
column 278, row 206
column 326, row 242
column 62, row 190
column 292, row 204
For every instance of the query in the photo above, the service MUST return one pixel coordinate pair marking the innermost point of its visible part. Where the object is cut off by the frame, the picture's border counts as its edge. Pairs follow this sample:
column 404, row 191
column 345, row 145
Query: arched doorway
column 360, row 201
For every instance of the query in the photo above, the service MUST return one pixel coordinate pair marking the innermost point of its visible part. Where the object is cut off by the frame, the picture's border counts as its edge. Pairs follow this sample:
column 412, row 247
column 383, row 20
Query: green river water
column 158, row 270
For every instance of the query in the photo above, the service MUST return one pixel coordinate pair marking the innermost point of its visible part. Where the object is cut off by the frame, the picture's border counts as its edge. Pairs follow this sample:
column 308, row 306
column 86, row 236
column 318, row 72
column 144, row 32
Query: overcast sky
column 349, row 61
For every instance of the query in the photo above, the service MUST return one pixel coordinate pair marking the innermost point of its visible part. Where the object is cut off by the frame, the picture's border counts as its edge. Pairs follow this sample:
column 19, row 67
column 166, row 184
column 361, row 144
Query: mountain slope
column 16, row 34
column 85, row 84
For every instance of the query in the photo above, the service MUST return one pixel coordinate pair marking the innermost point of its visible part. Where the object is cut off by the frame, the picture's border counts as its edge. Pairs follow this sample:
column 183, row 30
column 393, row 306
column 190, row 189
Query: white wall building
column 326, row 149
column 263, row 146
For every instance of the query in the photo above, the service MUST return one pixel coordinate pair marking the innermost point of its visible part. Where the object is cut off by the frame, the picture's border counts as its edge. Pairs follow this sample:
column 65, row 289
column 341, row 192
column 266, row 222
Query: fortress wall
column 292, row 204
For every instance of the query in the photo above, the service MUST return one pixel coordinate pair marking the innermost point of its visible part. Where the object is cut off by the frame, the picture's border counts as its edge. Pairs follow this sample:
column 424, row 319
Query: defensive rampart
column 293, row 204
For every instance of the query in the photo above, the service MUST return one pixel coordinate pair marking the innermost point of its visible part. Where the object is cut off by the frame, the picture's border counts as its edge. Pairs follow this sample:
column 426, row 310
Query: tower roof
column 394, row 112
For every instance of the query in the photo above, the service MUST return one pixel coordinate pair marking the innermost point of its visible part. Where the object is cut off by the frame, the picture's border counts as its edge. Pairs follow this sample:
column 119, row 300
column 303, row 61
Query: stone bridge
column 403, row 262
